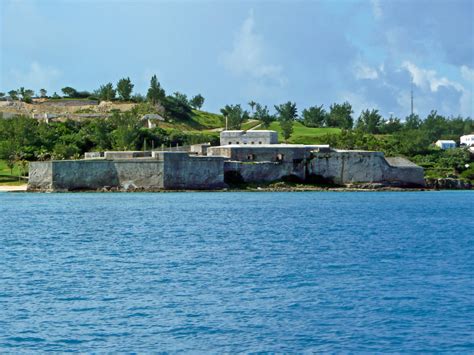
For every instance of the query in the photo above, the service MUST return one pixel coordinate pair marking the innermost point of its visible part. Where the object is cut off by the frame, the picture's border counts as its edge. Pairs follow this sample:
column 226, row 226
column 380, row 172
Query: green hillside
column 302, row 134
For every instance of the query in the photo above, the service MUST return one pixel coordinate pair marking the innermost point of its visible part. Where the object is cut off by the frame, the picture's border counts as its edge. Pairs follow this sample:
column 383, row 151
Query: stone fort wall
column 178, row 170
column 166, row 170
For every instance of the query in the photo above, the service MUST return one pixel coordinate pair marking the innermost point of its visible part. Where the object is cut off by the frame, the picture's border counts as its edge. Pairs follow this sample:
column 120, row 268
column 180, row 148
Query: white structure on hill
column 151, row 119
column 467, row 140
column 249, row 137
column 445, row 144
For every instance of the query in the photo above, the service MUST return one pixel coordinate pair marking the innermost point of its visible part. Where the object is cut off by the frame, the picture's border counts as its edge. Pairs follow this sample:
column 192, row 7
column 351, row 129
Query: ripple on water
column 237, row 272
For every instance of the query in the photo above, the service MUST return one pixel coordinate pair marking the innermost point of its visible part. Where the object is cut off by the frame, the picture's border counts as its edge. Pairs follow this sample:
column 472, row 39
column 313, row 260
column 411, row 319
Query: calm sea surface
column 237, row 272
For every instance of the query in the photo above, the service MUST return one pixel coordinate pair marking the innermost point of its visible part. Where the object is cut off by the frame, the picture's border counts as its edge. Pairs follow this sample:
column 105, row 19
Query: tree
column 55, row 95
column 235, row 116
column 13, row 94
column 197, row 101
column 435, row 125
column 155, row 93
column 124, row 89
column 26, row 94
column 412, row 122
column 181, row 98
column 314, row 116
column 11, row 163
column 262, row 114
column 369, row 121
column 252, row 104
column 125, row 134
column 43, row 92
column 138, row 98
column 391, row 126
column 69, row 92
column 340, row 115
column 287, row 113
column 106, row 92
column 176, row 108
column 2, row 95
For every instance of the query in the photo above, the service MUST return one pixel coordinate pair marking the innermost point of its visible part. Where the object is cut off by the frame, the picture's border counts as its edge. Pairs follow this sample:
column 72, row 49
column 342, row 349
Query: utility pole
column 226, row 122
column 411, row 97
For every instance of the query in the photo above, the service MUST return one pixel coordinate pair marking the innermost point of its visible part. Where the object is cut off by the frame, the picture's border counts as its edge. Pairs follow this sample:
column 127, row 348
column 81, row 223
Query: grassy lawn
column 6, row 177
column 207, row 120
column 302, row 134
column 250, row 124
column 200, row 121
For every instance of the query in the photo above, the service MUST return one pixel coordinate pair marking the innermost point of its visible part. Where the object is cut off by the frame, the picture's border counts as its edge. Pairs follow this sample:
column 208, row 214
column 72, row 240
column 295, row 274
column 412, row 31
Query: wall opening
column 280, row 157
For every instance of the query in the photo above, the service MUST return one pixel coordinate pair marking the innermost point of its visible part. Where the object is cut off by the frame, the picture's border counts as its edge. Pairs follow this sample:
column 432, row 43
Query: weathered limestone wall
column 84, row 174
column 268, row 153
column 200, row 149
column 352, row 167
column 179, row 170
column 93, row 155
column 167, row 170
column 127, row 154
column 236, row 171
column 141, row 174
column 95, row 174
column 40, row 176
column 182, row 171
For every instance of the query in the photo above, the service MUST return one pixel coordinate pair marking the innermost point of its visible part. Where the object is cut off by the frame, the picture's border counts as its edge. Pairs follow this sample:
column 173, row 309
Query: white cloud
column 429, row 80
column 425, row 78
column 376, row 9
column 36, row 77
column 247, row 57
column 362, row 71
column 467, row 73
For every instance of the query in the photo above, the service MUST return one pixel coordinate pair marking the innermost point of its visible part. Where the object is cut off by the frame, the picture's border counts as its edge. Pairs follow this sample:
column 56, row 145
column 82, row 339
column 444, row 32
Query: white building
column 445, row 144
column 467, row 140
column 249, row 137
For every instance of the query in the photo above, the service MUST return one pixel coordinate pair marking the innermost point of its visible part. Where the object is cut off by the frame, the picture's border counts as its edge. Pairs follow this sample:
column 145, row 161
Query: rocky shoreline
column 431, row 185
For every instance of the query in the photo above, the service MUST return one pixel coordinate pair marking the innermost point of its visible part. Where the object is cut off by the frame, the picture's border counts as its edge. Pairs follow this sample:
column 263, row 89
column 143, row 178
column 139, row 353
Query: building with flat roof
column 445, row 144
column 252, row 137
column 467, row 140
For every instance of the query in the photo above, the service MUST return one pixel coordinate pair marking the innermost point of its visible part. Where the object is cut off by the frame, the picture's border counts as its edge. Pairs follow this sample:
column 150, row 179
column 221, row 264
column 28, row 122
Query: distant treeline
column 122, row 91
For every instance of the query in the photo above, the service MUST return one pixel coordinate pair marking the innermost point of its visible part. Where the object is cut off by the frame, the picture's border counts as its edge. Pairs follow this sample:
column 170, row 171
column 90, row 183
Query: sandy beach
column 6, row 188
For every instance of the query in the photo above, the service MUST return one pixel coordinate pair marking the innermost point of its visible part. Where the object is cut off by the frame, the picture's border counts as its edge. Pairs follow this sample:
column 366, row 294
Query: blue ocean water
column 315, row 271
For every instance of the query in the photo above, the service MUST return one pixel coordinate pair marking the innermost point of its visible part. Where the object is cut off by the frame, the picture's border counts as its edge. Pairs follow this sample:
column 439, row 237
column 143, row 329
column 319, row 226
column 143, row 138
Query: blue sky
column 366, row 52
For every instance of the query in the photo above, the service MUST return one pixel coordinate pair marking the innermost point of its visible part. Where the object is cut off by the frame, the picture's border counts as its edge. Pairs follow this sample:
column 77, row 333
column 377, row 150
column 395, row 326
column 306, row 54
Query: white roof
column 445, row 141
column 249, row 130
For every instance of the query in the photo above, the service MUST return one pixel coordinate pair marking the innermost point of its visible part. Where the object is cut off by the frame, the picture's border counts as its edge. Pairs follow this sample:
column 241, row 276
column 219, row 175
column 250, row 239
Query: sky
column 366, row 52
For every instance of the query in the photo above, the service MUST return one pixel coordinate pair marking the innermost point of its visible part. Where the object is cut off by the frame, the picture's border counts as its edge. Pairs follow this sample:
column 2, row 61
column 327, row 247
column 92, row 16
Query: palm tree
column 252, row 104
